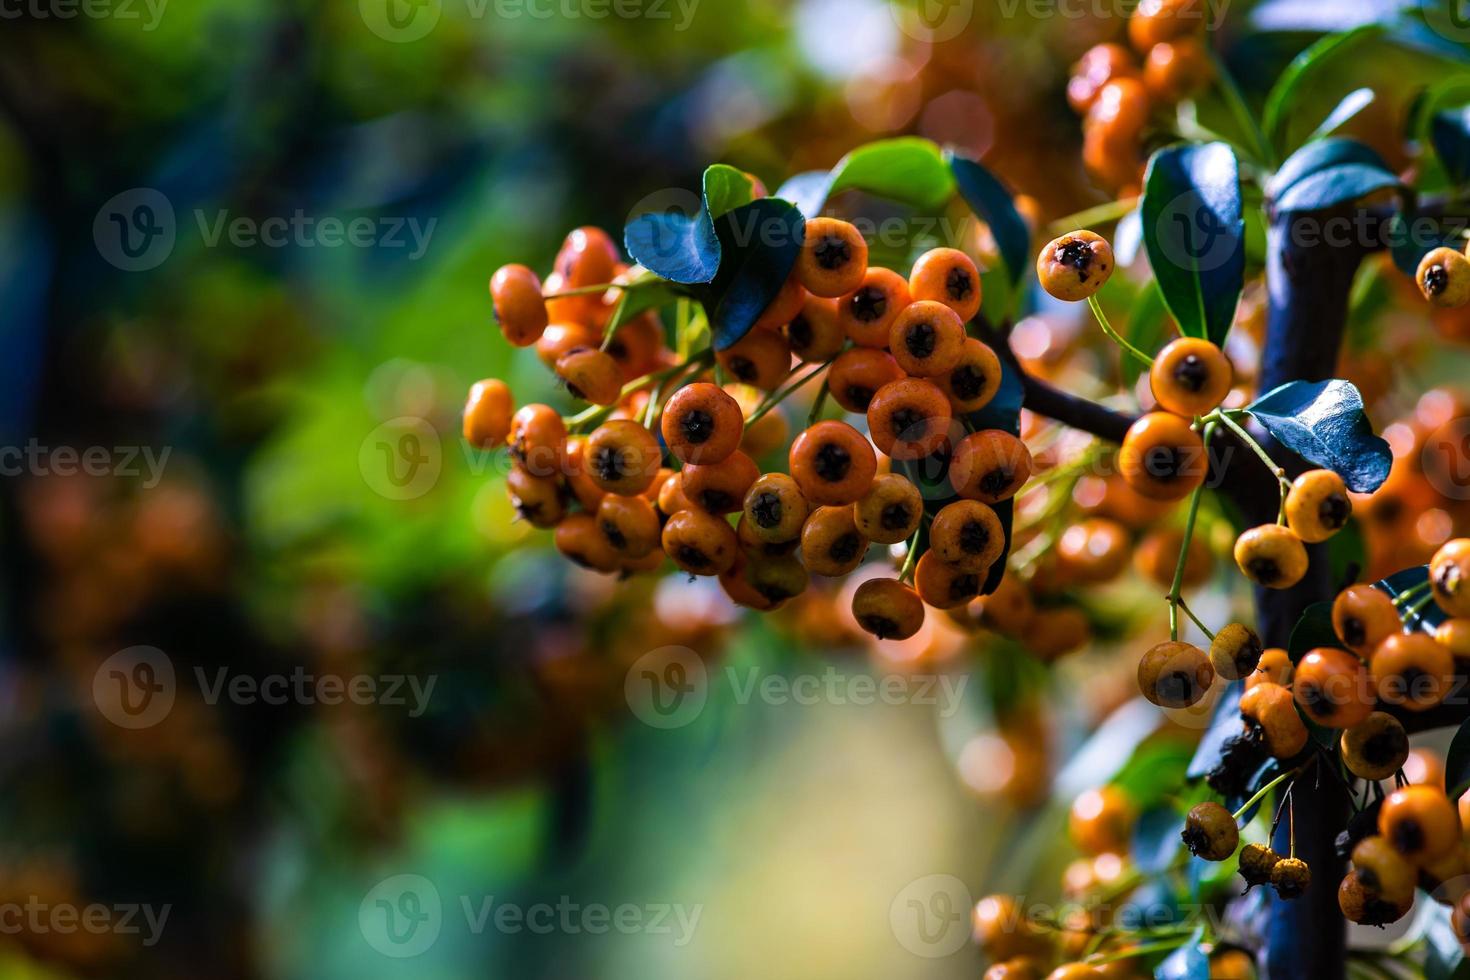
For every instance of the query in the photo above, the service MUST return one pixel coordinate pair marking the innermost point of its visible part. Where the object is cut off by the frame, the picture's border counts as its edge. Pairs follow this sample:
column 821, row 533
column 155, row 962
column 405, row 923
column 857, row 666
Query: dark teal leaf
column 993, row 203
column 1431, row 616
column 1457, row 761
column 676, row 246
column 1282, row 101
column 1318, row 156
column 1148, row 329
column 1336, row 185
column 1194, row 234
column 1324, row 423
column 1224, row 726
column 1313, row 630
column 1156, row 839
column 1450, row 133
column 1188, row 962
column 760, row 242
column 909, row 169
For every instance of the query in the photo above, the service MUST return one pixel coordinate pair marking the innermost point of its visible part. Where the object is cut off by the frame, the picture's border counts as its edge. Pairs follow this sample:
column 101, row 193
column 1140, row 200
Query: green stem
column 1249, row 440
column 819, row 403
column 912, row 559
column 781, row 394
column 1144, row 950
column 589, row 290
column 1114, row 336
column 1414, row 610
column 1176, row 590
column 1261, row 793
column 1409, row 594
column 1190, row 613
column 597, row 413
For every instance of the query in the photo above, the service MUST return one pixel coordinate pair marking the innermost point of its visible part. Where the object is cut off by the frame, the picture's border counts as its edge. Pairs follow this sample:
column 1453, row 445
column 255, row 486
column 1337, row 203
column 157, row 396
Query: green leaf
column 1324, row 423
column 760, row 242
column 1282, row 102
column 725, row 189
column 993, row 203
column 1148, row 329
column 909, row 169
column 1194, row 235
column 1352, row 104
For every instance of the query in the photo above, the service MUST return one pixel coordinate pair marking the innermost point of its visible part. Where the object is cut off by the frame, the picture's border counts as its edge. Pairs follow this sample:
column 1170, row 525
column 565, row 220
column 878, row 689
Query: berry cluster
column 663, row 463
column 1116, row 93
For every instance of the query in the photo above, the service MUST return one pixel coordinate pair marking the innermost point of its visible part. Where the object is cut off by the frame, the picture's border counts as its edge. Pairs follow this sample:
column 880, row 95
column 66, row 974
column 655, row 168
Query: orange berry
column 831, row 544
column 1075, row 266
column 519, row 307
column 948, row 276
column 702, row 424
column 890, row 511
column 833, row 259
column 622, row 457
column 1191, row 377
column 1271, row 556
column 1333, row 688
column 814, row 334
column 1413, row 671
column 857, row 375
column 867, row 313
column 720, row 488
column 1364, row 617
column 942, row 585
column 833, row 463
column 888, row 609
column 760, row 358
column 927, row 338
column 909, row 419
column 538, row 439
column 990, row 466
column 591, row 375
column 1420, row 823
column 1162, row 458
column 1175, row 675
column 487, row 414
column 974, row 380
column 968, row 535
column 700, row 543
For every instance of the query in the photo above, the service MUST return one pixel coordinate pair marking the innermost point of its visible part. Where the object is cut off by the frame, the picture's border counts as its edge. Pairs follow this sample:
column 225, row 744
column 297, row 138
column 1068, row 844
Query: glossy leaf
column 760, row 242
column 679, row 247
column 1336, row 185
column 1352, row 104
column 1324, row 423
column 908, row 169
column 1282, row 102
column 1431, row 616
column 994, row 204
column 1224, row 725
column 1319, row 156
column 1195, row 236
column 1450, row 133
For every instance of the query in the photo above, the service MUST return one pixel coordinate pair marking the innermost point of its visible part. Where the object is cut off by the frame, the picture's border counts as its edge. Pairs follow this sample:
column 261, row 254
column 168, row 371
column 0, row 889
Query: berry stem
column 819, row 403
column 1225, row 416
column 1413, row 611
column 1114, row 336
column 1190, row 613
column 589, row 290
column 912, row 559
column 781, row 394
column 1261, row 793
column 597, row 413
column 1176, row 591
column 1145, row 950
column 1413, row 591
